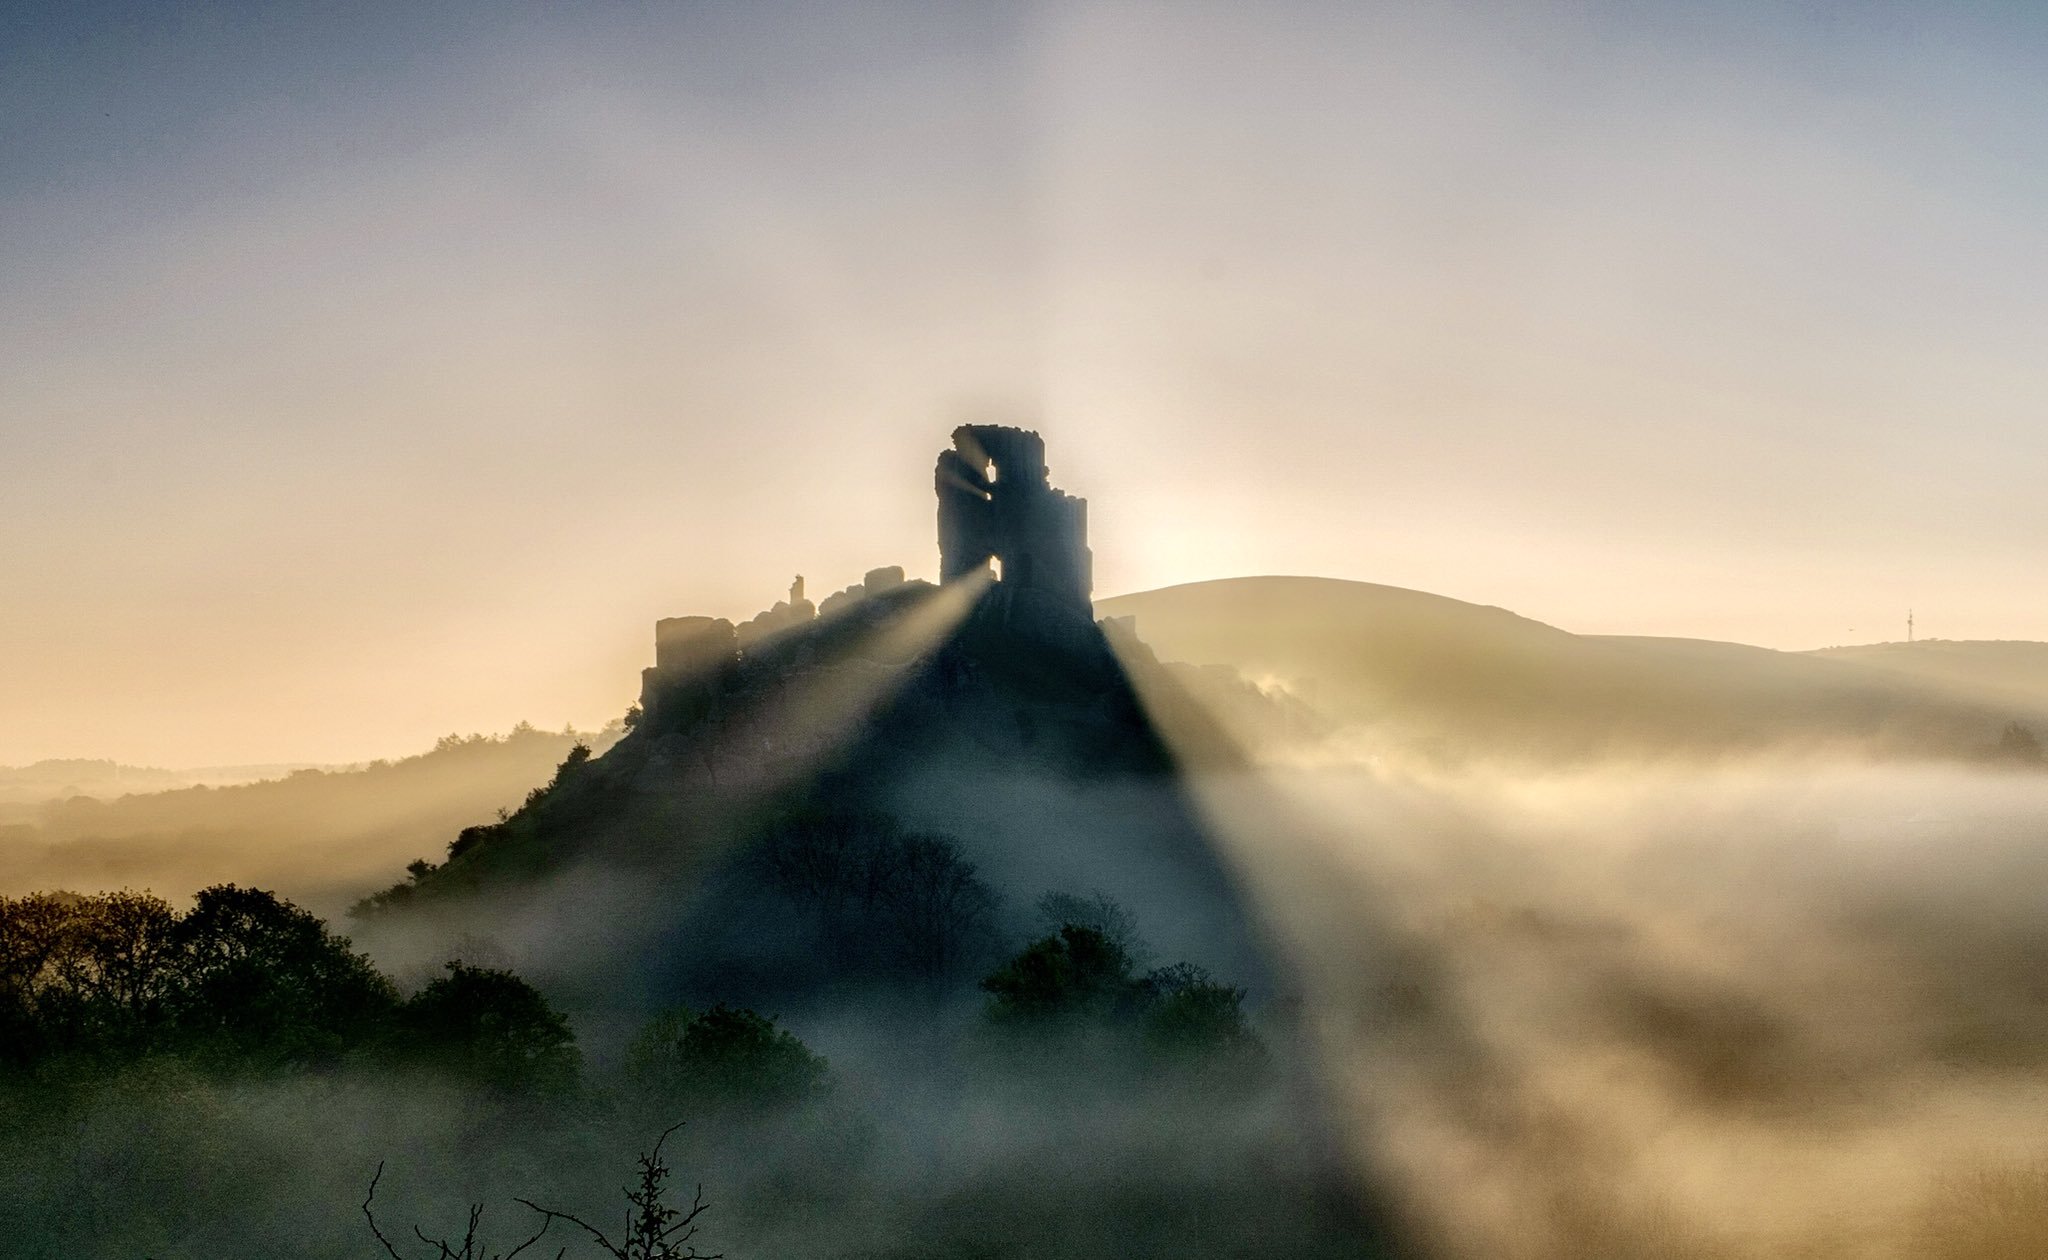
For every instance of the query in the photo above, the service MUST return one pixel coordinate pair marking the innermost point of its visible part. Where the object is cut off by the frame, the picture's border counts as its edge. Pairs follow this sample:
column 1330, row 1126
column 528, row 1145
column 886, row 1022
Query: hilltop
column 2000, row 672
column 985, row 722
column 1439, row 675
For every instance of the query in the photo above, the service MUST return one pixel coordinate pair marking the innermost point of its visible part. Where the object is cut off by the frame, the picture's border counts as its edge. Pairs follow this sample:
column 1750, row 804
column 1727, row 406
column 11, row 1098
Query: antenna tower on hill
column 1909, row 625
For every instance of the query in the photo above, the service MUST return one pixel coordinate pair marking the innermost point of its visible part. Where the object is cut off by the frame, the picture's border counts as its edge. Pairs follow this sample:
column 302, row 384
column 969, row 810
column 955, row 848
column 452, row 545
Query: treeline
column 245, row 983
column 224, row 1080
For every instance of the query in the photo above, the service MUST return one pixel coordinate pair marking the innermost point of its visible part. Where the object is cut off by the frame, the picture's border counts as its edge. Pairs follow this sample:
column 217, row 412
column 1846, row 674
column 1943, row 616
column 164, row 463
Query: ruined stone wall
column 996, row 502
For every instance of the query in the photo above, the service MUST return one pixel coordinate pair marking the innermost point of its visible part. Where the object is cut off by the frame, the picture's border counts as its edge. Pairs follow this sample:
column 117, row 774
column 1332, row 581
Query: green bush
column 724, row 1057
column 1077, row 986
column 1078, row 974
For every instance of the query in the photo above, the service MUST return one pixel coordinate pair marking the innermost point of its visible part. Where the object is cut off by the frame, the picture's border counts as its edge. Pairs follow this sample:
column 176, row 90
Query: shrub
column 1077, row 974
column 723, row 1057
column 1189, row 1017
column 489, row 1027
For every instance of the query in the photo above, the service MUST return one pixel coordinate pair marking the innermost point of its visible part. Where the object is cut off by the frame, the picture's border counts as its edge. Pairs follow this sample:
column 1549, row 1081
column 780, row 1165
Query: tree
column 1080, row 982
column 1097, row 910
column 1075, row 975
column 242, row 980
column 468, row 1247
column 723, row 1057
column 263, row 983
column 654, row 1230
column 490, row 1027
column 1190, row 1017
column 880, row 898
column 937, row 911
column 824, row 863
column 84, row 974
column 2018, row 743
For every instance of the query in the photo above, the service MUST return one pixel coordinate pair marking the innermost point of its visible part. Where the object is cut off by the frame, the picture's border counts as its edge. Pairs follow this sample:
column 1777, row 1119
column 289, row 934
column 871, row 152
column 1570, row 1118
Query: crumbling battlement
column 997, row 503
column 786, row 614
column 996, row 506
column 694, row 645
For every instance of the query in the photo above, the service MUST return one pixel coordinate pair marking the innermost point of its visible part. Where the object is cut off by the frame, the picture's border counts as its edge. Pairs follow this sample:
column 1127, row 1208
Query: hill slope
column 322, row 836
column 1447, row 677
column 2005, row 672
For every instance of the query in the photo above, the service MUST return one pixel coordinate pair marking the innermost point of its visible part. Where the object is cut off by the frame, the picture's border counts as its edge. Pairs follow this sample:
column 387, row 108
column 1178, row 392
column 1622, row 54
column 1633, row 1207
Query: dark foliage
column 243, row 981
column 1097, row 910
column 880, row 900
column 265, row 984
column 723, row 1058
column 1077, row 974
column 84, row 975
column 247, row 983
column 1189, row 1017
column 1079, row 981
column 473, row 840
column 489, row 1027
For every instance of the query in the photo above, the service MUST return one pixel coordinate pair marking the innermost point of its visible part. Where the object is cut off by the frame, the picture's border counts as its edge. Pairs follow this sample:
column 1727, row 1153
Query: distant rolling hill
column 2004, row 672
column 24, row 788
column 1441, row 676
column 322, row 837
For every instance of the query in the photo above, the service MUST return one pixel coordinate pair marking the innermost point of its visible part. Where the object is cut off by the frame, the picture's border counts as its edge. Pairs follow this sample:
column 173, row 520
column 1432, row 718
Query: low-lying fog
column 1756, row 1009
column 1753, row 1007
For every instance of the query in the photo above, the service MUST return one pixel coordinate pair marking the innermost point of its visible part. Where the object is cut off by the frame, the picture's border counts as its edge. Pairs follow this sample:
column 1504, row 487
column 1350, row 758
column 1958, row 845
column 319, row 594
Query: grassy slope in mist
column 1458, row 678
column 323, row 837
column 2009, row 672
column 23, row 789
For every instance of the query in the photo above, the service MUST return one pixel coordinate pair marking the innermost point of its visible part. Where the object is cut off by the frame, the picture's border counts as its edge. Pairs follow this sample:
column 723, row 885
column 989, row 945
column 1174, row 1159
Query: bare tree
column 940, row 911
column 467, row 1249
column 654, row 1230
column 1097, row 911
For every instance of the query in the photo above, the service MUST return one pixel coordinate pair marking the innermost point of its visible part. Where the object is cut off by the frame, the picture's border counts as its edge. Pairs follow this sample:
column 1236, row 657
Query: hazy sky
column 374, row 374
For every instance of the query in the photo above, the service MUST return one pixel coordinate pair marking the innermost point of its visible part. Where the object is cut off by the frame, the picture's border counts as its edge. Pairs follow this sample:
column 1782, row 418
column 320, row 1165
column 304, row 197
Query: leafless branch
column 371, row 1217
column 443, row 1249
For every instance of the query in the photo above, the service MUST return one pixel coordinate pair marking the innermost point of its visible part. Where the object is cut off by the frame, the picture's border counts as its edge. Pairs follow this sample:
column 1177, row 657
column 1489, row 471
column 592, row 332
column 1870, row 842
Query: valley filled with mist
column 1426, row 930
column 1054, row 630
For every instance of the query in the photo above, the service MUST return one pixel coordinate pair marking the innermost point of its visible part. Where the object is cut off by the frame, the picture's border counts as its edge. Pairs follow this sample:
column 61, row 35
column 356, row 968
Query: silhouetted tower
column 997, row 503
column 1909, row 625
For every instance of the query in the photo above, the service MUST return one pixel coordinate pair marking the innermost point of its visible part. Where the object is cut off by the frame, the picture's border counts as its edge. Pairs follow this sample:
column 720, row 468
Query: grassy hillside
column 1446, row 677
column 323, row 837
column 2007, row 672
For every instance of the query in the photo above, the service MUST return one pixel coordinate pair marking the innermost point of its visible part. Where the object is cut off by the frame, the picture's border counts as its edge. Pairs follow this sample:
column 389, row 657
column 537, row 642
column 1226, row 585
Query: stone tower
column 996, row 503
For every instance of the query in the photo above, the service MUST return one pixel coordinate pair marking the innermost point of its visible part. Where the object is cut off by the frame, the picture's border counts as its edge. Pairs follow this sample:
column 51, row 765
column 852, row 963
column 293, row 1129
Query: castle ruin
column 1000, row 521
column 997, row 506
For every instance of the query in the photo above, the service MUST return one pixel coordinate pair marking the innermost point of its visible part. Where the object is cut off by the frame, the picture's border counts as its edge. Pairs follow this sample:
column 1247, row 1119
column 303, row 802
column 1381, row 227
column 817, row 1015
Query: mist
column 1579, row 867
column 324, row 836
column 1784, row 1007
column 1717, row 1003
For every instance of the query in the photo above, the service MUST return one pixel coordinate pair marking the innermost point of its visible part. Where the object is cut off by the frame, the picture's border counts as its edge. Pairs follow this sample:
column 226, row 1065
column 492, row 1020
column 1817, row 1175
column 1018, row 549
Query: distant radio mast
column 1909, row 625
